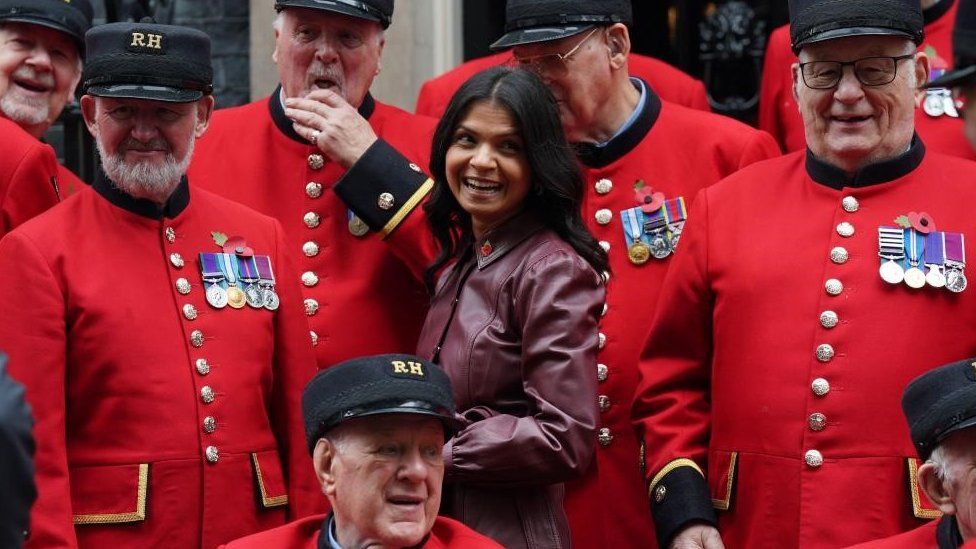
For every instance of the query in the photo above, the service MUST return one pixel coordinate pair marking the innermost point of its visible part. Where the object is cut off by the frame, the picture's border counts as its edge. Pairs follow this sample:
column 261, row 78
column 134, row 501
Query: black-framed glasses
column 870, row 71
column 551, row 62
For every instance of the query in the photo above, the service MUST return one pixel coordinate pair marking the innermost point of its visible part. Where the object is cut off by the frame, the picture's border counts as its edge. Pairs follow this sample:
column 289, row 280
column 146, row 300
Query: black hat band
column 139, row 70
column 562, row 19
column 383, row 18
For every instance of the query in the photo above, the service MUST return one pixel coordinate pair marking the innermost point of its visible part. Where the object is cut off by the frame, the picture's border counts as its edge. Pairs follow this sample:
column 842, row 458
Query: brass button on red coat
column 604, row 402
column 203, row 368
column 820, row 387
column 850, row 204
column 206, row 394
column 190, row 312
column 196, row 338
column 316, row 161
column 182, row 286
column 177, row 260
column 212, row 454
column 813, row 459
column 817, row 421
column 834, row 287
column 170, row 235
column 313, row 189
column 209, row 424
column 604, row 437
column 602, row 372
column 829, row 319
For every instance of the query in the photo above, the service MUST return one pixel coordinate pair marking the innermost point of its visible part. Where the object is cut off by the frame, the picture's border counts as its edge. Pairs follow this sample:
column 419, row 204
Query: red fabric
column 730, row 358
column 668, row 82
column 778, row 112
column 94, row 328
column 369, row 302
column 922, row 537
column 304, row 534
column 28, row 176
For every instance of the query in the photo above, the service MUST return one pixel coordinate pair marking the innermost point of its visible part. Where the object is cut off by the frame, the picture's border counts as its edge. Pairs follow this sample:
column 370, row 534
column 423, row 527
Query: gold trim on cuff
column 723, row 504
column 408, row 207
column 276, row 501
column 117, row 518
column 920, row 512
column 680, row 462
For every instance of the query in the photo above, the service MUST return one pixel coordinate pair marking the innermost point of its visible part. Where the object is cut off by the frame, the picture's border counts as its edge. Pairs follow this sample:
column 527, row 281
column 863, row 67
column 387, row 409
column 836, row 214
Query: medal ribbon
column 263, row 263
column 914, row 246
column 230, row 271
column 249, row 271
column 935, row 248
column 654, row 221
column 209, row 267
column 674, row 210
column 955, row 248
column 632, row 223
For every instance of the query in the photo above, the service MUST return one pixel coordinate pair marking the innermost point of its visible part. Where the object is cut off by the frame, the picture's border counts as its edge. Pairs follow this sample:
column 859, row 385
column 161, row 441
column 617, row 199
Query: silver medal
column 934, row 277
column 891, row 272
column 933, row 105
column 915, row 278
column 660, row 247
column 271, row 301
column 956, row 281
column 216, row 296
column 254, row 296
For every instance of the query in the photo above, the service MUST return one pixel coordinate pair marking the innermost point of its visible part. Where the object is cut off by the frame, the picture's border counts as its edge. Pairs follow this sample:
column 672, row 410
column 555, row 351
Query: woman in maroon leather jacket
column 513, row 319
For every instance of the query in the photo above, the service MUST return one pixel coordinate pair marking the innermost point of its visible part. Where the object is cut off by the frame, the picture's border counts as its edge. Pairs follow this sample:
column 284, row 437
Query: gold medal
column 639, row 253
column 236, row 297
column 357, row 226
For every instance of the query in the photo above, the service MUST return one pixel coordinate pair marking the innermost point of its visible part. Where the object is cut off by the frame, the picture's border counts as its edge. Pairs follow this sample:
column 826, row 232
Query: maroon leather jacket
column 520, row 345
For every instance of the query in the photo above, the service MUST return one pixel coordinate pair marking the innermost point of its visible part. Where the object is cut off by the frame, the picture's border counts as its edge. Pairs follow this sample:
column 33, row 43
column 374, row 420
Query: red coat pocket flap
column 109, row 494
column 721, row 477
column 269, row 478
column 921, row 505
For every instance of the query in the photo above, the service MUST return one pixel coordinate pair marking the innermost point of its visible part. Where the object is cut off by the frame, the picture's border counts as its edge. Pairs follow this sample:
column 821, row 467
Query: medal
column 675, row 215
column 935, row 259
column 914, row 245
column 934, row 105
column 235, row 296
column 249, row 275
column 212, row 275
column 891, row 249
column 638, row 252
column 357, row 227
column 660, row 247
column 955, row 262
column 267, row 281
column 656, row 227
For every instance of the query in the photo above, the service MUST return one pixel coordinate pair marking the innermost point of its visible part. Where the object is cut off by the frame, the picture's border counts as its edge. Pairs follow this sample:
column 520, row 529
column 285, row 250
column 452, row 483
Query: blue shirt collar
column 641, row 103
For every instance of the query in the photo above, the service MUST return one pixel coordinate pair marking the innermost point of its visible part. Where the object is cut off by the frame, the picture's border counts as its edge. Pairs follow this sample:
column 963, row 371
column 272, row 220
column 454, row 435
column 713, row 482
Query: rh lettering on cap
column 407, row 369
column 146, row 42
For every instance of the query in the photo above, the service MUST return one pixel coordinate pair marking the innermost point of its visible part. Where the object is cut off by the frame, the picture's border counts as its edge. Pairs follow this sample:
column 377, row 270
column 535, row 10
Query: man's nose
column 849, row 89
column 414, row 467
column 326, row 50
column 40, row 58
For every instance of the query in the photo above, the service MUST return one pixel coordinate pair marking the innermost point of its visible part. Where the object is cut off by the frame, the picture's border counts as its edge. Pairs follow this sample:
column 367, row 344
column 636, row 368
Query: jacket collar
column 283, row 123
column 934, row 13
column 326, row 535
column 873, row 174
column 499, row 241
column 594, row 156
column 177, row 202
column 947, row 533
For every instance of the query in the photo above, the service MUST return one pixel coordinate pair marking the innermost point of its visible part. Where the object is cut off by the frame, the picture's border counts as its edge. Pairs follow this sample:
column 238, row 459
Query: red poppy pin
column 233, row 245
column 920, row 221
column 648, row 200
column 486, row 249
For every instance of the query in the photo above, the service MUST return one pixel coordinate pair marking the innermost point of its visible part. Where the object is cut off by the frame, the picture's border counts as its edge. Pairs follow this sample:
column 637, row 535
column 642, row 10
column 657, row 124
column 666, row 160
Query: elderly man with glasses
column 809, row 290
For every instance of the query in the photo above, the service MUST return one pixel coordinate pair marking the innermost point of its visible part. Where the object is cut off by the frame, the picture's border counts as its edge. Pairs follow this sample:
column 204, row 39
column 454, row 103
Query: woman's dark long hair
column 556, row 195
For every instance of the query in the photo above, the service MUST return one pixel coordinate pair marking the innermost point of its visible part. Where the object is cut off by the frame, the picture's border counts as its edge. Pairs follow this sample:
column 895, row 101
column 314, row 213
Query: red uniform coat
column 778, row 112
column 746, row 378
column 670, row 83
column 677, row 151
column 28, row 176
column 304, row 534
column 360, row 299
column 922, row 537
column 120, row 358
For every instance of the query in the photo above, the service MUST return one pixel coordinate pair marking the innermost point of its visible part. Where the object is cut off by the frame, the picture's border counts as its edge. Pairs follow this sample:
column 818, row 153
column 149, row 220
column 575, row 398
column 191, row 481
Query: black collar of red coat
column 327, row 525
column 284, row 123
column 502, row 239
column 178, row 201
column 595, row 156
column 873, row 174
column 947, row 533
column 932, row 14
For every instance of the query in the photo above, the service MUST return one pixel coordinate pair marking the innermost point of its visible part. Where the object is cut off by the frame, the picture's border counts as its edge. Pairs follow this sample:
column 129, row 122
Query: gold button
column 834, row 286
column 839, row 255
column 310, row 249
column 313, row 189
column 850, row 204
column 177, row 260
column 170, row 235
column 213, row 454
column 385, row 201
column 820, row 387
column 603, row 216
column 604, row 437
column 829, row 319
column 845, row 229
column 813, row 459
column 190, row 312
column 206, row 394
column 817, row 421
column 312, row 220
column 601, row 340
column 603, row 186
column 825, row 352
column 311, row 307
column 309, row 279
column 604, row 402
column 182, row 286
column 602, row 372
column 196, row 338
column 209, row 424
column 316, row 161
column 315, row 338
column 659, row 493
column 605, row 245
column 202, row 367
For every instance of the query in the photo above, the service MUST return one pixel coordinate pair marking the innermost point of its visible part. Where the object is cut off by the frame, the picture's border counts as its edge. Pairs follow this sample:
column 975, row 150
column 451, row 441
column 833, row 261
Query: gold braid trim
column 268, row 503
column 920, row 512
column 408, row 207
column 723, row 504
column 680, row 462
column 117, row 518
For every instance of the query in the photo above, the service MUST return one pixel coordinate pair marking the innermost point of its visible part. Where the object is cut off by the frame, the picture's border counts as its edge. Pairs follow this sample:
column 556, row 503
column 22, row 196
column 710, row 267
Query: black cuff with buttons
column 380, row 184
column 680, row 499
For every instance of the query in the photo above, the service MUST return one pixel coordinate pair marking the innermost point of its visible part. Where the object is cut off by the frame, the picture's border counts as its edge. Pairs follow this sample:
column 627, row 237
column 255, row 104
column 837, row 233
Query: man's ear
column 205, row 108
column 618, row 42
column 323, row 459
column 88, row 112
column 935, row 489
column 795, row 69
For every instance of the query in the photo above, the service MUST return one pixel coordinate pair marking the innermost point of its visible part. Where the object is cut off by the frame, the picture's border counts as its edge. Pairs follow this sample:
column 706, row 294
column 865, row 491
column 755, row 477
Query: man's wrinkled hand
column 333, row 125
column 698, row 536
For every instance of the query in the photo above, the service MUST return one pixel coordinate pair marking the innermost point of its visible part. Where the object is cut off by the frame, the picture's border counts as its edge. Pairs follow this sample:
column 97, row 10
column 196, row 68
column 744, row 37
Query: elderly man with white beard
column 41, row 49
column 125, row 309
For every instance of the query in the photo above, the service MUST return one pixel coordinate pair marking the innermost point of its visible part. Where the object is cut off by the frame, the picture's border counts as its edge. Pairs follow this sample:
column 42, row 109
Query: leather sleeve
column 671, row 410
column 557, row 305
column 32, row 296
column 16, row 465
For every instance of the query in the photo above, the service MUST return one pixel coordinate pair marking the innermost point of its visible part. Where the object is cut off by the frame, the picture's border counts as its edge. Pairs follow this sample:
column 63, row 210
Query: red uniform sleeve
column 29, row 188
column 557, row 307
column 778, row 60
column 699, row 97
column 294, row 366
column 671, row 410
column 761, row 146
column 33, row 334
column 428, row 102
